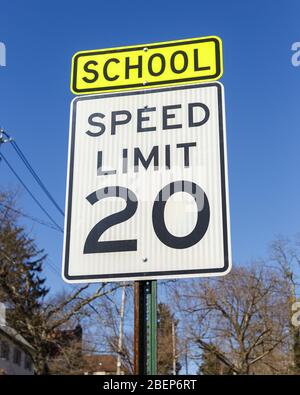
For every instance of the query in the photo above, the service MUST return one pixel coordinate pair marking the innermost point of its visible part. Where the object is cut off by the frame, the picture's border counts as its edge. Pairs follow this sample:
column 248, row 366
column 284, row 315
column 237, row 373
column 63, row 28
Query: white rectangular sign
column 147, row 194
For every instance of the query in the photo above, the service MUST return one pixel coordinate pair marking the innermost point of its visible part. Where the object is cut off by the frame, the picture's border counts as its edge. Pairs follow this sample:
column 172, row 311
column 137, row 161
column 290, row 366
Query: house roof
column 16, row 337
column 101, row 363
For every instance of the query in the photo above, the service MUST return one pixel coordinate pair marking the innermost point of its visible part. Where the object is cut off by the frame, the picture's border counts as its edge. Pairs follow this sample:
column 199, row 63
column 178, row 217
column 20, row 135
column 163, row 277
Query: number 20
column 93, row 245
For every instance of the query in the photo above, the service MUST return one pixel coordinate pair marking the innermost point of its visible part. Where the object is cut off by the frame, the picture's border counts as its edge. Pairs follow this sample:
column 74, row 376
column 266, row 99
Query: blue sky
column 261, row 86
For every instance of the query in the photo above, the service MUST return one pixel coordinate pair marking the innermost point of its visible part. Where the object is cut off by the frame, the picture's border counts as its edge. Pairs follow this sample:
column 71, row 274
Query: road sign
column 147, row 65
column 147, row 186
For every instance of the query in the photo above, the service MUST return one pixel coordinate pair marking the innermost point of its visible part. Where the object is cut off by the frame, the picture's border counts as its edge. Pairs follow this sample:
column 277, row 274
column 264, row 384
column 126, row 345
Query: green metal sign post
column 145, row 328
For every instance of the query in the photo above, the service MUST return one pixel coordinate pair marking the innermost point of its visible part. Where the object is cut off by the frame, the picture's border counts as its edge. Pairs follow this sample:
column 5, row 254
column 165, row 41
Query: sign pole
column 139, row 330
column 151, row 289
column 145, row 327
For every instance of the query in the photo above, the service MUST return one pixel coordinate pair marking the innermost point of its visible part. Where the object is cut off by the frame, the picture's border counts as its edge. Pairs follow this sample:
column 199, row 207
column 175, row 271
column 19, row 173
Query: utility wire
column 33, row 173
column 43, row 187
column 28, row 190
column 51, row 266
column 58, row 274
column 34, row 219
column 35, row 176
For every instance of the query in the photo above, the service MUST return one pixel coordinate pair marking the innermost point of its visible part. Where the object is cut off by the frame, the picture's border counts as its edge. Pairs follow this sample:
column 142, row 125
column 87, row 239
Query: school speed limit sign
column 147, row 190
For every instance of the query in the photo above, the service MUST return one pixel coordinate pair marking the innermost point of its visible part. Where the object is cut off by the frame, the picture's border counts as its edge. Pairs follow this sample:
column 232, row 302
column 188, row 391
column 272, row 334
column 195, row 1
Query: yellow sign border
column 219, row 66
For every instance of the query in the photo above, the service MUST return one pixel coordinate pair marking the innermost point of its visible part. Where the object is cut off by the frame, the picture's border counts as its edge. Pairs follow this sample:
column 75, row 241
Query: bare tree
column 241, row 319
column 108, row 319
column 167, row 342
column 285, row 256
column 42, row 326
column 22, row 288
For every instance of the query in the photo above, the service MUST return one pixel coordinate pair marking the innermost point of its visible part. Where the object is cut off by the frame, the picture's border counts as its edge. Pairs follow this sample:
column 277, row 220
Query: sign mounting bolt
column 145, row 259
column 145, row 49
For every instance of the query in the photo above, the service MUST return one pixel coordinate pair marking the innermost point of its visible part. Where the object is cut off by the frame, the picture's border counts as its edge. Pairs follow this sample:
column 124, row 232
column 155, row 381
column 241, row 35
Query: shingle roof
column 101, row 363
column 15, row 336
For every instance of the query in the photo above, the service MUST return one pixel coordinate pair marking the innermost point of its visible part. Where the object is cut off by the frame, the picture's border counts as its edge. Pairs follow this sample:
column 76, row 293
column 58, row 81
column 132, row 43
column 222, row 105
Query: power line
column 42, row 186
column 34, row 219
column 32, row 172
column 51, row 266
column 35, row 176
column 57, row 272
column 28, row 190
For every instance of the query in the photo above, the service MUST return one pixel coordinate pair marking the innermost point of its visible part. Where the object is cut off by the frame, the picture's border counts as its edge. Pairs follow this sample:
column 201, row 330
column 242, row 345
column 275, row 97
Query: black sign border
column 223, row 191
column 154, row 83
